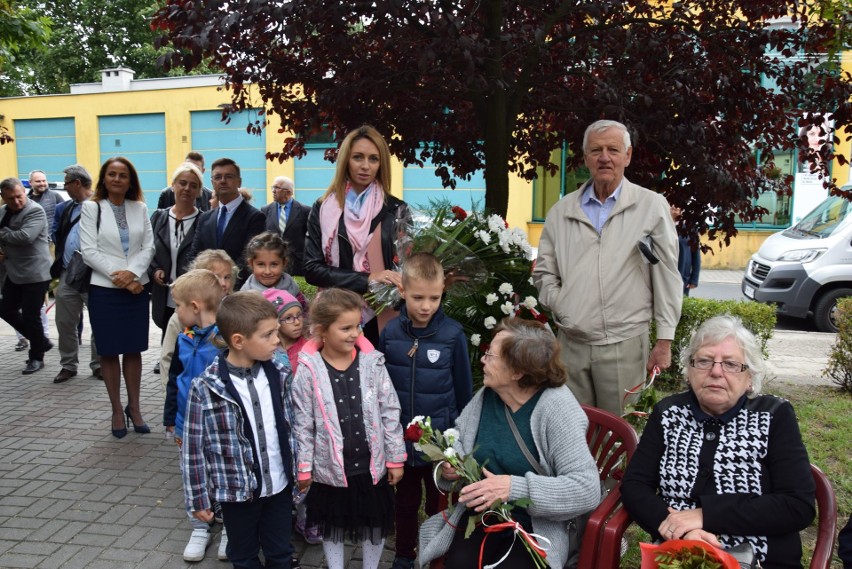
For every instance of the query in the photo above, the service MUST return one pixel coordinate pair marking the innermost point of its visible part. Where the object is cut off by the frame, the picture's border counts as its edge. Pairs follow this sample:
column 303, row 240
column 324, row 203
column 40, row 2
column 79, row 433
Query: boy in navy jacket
column 427, row 359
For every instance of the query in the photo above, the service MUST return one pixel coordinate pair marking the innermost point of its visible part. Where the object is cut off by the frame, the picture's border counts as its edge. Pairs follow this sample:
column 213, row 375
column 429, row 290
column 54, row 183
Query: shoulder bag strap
column 527, row 454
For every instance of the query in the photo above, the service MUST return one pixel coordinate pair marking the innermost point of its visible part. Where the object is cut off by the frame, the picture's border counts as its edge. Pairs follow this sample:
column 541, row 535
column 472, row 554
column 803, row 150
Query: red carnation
column 413, row 433
column 459, row 212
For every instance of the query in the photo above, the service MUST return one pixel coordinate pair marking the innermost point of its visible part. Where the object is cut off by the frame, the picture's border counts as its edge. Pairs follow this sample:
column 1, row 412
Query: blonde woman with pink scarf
column 351, row 228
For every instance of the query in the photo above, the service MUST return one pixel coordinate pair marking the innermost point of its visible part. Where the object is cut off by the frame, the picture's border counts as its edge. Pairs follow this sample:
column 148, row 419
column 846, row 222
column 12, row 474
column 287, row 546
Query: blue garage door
column 45, row 144
column 142, row 140
column 420, row 185
column 313, row 173
column 216, row 139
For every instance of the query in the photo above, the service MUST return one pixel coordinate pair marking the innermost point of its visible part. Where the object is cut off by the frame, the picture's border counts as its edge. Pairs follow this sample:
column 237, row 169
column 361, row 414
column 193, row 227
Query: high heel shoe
column 120, row 433
column 142, row 429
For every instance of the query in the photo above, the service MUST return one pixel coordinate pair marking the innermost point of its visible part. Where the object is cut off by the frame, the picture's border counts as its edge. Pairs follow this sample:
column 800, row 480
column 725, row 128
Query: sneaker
column 402, row 563
column 310, row 534
column 295, row 563
column 22, row 345
column 222, row 554
column 198, row 542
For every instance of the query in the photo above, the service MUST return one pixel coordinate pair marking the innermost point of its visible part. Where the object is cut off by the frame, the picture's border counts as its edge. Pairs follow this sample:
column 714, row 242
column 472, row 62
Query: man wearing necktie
column 290, row 218
column 231, row 225
column 70, row 301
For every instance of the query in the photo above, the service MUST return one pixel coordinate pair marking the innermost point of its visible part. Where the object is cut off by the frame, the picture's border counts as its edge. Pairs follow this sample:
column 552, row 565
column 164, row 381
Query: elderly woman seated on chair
column 719, row 462
column 524, row 391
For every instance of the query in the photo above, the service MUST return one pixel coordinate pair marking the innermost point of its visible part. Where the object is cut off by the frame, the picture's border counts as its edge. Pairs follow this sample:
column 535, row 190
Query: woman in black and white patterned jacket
column 719, row 462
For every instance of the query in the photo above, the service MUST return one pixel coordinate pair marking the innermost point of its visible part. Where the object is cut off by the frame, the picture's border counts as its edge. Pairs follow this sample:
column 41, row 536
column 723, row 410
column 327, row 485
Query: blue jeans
column 263, row 523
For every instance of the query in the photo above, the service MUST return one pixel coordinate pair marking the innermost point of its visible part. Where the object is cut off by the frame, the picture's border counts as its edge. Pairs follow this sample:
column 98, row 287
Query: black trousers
column 21, row 308
column 464, row 553
column 265, row 524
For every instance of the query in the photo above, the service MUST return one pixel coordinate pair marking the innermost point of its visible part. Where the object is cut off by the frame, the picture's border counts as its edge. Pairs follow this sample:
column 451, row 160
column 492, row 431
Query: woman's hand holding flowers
column 482, row 495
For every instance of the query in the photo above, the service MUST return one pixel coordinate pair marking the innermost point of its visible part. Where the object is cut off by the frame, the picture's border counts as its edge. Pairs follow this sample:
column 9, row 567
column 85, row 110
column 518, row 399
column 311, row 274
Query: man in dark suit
column 231, row 225
column 26, row 259
column 202, row 202
column 290, row 219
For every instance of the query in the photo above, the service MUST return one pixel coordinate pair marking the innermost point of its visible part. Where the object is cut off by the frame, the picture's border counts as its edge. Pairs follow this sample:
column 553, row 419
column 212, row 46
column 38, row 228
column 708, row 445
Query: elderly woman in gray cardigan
column 524, row 380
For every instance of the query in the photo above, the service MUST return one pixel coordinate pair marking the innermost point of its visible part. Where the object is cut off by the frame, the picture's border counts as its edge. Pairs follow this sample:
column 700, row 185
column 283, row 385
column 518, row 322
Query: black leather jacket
column 318, row 273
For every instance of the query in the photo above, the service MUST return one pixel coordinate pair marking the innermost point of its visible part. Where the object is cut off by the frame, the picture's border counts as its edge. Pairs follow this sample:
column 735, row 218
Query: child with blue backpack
column 197, row 295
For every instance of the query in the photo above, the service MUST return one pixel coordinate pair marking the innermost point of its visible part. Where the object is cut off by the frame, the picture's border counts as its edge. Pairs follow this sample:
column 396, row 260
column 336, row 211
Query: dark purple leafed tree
column 498, row 85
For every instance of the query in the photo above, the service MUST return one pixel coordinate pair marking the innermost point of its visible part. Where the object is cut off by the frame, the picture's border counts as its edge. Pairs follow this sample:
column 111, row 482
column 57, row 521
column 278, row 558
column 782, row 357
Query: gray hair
column 192, row 169
column 9, row 184
column 719, row 328
column 286, row 182
column 30, row 175
column 602, row 125
column 77, row 172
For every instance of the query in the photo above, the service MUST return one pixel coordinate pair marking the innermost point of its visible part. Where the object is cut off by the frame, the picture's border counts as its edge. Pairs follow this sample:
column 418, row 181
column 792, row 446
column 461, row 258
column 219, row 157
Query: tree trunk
column 496, row 142
column 493, row 115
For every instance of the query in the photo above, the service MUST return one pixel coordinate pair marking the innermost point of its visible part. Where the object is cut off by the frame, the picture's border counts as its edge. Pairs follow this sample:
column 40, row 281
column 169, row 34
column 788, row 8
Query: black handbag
column 78, row 275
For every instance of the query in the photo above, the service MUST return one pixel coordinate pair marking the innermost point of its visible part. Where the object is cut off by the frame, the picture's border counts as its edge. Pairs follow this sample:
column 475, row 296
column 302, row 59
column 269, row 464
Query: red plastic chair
column 826, row 521
column 612, row 442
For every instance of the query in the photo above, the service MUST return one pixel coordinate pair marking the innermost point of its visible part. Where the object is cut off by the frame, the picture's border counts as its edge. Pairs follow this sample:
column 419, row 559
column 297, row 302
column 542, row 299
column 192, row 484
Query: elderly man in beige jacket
column 603, row 291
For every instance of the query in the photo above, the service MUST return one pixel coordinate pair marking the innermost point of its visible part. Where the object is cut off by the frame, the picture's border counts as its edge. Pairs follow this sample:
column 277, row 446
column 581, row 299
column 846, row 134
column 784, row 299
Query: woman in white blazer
column 119, row 249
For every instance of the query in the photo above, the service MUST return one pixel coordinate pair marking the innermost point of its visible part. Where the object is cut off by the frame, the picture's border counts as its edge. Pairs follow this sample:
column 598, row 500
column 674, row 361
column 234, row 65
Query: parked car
column 805, row 269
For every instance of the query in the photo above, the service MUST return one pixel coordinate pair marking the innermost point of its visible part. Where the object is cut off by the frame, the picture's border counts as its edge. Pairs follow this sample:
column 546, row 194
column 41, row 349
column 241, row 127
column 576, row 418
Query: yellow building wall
column 177, row 104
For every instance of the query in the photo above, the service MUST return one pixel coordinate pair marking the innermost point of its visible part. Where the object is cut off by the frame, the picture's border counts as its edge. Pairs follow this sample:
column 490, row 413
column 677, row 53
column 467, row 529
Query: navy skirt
column 119, row 320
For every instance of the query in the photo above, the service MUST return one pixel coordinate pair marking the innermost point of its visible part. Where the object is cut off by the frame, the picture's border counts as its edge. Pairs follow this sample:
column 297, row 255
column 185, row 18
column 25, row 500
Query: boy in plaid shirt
column 237, row 446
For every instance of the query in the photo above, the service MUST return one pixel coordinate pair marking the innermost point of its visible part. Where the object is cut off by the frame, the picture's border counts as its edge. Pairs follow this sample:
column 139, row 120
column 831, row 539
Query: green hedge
column 839, row 368
column 309, row 290
column 758, row 317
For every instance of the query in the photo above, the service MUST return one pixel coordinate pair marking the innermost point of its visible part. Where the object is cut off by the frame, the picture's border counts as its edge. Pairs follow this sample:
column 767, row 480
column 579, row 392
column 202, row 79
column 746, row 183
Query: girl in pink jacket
column 350, row 445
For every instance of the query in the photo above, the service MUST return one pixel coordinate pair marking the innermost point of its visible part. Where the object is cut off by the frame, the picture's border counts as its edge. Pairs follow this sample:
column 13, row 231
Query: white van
column 805, row 269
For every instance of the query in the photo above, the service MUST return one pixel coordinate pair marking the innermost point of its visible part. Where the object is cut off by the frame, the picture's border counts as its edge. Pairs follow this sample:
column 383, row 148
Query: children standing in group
column 197, row 295
column 428, row 362
column 291, row 335
column 236, row 446
column 266, row 256
column 351, row 449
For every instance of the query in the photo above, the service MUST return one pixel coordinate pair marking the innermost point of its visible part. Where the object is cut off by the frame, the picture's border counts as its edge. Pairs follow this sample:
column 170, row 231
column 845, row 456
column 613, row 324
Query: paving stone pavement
column 72, row 496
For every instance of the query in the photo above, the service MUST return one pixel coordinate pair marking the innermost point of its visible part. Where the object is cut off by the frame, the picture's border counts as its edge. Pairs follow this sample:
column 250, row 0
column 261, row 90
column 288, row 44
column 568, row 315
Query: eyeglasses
column 221, row 177
column 491, row 354
column 281, row 189
column 292, row 318
column 728, row 366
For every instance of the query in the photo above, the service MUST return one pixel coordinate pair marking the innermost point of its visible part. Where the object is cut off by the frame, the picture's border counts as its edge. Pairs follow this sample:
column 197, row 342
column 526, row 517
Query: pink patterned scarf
column 357, row 223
